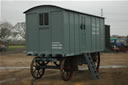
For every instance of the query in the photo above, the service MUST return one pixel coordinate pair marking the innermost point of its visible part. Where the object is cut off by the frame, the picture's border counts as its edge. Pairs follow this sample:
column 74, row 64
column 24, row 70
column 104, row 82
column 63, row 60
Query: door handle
column 84, row 27
column 81, row 26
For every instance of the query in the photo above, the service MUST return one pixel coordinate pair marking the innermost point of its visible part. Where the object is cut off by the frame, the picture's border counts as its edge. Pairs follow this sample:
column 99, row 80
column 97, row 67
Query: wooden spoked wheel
column 66, row 69
column 36, row 70
column 97, row 61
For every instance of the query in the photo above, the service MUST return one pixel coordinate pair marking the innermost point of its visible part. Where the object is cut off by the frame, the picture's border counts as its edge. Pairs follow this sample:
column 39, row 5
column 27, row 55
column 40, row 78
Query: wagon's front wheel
column 66, row 69
column 36, row 68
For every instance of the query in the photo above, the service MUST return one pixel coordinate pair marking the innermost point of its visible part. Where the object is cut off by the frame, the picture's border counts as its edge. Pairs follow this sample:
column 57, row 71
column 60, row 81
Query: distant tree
column 20, row 28
column 5, row 30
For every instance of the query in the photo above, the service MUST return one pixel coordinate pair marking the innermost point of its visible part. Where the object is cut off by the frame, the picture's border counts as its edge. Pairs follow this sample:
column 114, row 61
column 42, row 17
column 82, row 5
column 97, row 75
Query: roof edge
column 63, row 9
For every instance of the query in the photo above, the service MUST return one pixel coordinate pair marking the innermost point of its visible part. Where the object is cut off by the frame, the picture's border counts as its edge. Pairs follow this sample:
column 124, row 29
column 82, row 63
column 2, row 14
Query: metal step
column 91, row 66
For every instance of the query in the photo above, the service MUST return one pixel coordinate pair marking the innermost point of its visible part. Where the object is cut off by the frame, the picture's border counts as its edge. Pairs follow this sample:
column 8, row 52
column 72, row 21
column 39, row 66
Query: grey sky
column 115, row 12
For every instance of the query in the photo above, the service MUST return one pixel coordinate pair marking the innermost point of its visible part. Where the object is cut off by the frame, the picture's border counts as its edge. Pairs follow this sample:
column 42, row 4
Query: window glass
column 43, row 19
column 46, row 18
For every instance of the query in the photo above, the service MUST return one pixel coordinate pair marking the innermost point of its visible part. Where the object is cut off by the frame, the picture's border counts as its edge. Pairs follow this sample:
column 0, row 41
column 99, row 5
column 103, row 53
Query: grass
column 16, row 47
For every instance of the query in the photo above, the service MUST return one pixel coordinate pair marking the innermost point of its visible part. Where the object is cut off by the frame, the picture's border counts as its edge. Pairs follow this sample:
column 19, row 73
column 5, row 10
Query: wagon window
column 43, row 19
column 46, row 18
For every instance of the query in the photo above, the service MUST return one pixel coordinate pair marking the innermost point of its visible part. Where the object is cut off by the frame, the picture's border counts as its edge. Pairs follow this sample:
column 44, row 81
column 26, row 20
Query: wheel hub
column 38, row 67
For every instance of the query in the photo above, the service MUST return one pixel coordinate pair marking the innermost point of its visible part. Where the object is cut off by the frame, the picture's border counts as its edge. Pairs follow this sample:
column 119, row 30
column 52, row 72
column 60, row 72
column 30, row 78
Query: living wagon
column 65, row 37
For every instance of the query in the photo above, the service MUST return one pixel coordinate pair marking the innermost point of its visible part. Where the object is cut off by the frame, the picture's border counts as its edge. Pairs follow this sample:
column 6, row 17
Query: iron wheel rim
column 66, row 73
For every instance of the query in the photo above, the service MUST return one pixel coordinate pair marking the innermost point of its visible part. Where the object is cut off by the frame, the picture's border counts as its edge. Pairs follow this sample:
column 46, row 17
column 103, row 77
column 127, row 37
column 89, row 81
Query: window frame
column 43, row 19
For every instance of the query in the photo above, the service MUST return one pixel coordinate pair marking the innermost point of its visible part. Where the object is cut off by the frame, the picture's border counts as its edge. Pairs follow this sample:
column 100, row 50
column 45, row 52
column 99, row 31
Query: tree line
column 10, row 32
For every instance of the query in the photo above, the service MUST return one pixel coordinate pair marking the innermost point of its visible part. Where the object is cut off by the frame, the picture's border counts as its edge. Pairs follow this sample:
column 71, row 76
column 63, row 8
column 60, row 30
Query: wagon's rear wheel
column 66, row 69
column 97, row 61
column 36, row 70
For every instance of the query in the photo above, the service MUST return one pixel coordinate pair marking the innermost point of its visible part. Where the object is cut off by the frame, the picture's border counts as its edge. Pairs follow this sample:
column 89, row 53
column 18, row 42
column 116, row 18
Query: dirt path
column 52, row 77
column 112, row 76
column 20, row 59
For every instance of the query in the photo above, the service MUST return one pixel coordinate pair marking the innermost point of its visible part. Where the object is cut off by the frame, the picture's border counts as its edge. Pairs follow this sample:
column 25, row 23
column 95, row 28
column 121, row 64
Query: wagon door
column 57, row 32
column 82, row 33
column 32, row 33
column 44, row 33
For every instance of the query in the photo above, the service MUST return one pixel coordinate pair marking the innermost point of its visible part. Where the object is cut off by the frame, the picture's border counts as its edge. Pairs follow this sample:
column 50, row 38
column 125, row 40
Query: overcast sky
column 115, row 12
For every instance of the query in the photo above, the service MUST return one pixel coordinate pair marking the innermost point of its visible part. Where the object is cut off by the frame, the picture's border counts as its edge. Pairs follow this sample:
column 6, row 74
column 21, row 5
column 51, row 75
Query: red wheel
column 66, row 69
column 96, row 60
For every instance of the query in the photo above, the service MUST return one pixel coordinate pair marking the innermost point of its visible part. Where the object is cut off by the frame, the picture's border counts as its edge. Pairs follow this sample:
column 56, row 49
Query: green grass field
column 16, row 47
